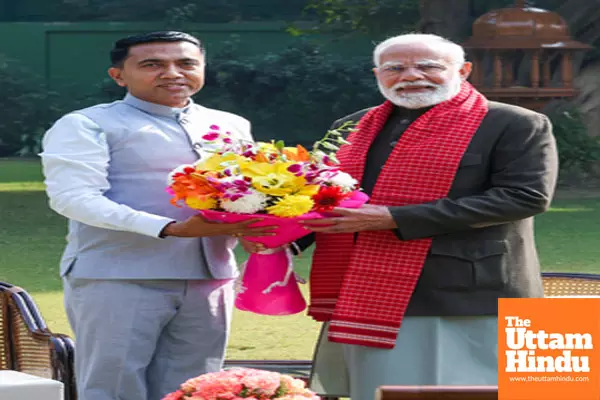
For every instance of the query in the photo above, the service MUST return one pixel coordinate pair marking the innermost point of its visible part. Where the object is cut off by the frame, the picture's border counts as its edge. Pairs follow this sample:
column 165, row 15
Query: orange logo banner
column 549, row 349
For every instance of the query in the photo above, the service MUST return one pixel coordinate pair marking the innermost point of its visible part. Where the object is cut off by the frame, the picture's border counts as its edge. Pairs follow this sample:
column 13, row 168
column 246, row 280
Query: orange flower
column 261, row 157
column 192, row 185
column 297, row 154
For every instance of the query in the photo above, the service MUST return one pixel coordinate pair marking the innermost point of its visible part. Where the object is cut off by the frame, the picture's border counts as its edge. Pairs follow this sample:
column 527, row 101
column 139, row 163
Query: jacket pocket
column 464, row 266
column 68, row 266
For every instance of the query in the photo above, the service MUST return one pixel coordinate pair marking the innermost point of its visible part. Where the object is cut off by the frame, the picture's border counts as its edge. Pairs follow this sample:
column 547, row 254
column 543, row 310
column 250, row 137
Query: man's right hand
column 197, row 226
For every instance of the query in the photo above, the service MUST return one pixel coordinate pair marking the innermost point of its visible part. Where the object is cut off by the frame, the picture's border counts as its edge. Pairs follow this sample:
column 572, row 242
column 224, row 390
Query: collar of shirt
column 156, row 109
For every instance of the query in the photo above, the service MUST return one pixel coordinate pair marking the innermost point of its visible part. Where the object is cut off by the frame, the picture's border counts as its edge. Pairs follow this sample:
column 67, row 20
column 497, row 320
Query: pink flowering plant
column 243, row 383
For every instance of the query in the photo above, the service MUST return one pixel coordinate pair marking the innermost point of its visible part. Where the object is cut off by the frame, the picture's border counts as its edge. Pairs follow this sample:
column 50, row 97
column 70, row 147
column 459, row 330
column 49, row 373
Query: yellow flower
column 309, row 190
column 218, row 162
column 274, row 179
column 291, row 206
column 267, row 147
column 265, row 151
column 201, row 203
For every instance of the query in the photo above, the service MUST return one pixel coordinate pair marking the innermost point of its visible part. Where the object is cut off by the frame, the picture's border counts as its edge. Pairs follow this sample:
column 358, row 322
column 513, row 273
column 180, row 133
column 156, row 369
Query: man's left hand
column 367, row 218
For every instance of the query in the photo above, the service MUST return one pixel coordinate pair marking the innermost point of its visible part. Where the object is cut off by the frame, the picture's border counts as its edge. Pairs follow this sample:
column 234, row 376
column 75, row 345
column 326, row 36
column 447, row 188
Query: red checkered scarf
column 363, row 288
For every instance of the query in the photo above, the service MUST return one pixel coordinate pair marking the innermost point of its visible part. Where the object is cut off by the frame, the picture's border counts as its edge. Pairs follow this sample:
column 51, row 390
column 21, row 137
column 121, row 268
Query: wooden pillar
column 478, row 67
column 497, row 70
column 535, row 69
column 546, row 73
column 567, row 70
column 508, row 75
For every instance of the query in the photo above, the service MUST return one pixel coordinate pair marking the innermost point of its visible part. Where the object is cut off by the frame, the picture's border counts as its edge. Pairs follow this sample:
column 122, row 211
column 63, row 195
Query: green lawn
column 32, row 238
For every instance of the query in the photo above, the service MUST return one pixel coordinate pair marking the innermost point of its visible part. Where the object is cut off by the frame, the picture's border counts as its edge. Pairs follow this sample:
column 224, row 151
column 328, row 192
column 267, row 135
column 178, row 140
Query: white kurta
column 428, row 351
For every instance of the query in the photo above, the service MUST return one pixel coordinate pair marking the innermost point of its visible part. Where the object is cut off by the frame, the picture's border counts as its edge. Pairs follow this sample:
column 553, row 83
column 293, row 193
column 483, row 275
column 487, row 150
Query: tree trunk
column 582, row 17
column 448, row 18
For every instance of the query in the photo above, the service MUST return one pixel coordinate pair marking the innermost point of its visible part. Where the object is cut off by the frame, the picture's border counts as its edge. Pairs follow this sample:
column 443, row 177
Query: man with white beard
column 407, row 286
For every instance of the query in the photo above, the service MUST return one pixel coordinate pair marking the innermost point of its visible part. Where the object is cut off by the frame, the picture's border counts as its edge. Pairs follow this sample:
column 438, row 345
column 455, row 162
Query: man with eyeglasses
column 407, row 286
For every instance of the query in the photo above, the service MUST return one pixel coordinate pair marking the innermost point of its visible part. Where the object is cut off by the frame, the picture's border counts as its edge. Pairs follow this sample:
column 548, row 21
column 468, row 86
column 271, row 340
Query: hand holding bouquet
column 280, row 185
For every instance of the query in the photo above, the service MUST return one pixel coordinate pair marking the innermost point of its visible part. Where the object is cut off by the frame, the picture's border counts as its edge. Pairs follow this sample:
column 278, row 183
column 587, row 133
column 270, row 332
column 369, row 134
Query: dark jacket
column 483, row 244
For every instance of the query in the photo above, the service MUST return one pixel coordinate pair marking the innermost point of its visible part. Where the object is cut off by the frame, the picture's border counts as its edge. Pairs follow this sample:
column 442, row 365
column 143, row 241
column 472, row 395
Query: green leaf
column 279, row 145
column 293, row 31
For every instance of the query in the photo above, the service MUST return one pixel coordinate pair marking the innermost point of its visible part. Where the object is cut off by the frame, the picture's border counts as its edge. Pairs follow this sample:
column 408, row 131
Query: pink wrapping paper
column 267, row 283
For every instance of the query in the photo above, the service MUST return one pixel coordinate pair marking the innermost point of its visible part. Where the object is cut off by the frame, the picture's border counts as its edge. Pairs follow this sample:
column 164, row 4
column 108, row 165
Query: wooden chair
column 437, row 393
column 571, row 284
column 30, row 346
column 6, row 350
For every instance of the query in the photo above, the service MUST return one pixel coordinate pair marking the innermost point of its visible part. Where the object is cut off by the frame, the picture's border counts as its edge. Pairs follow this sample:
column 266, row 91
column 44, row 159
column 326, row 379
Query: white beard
column 438, row 95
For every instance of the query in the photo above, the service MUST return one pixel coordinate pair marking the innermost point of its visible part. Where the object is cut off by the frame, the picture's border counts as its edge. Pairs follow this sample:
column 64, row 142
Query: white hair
column 455, row 51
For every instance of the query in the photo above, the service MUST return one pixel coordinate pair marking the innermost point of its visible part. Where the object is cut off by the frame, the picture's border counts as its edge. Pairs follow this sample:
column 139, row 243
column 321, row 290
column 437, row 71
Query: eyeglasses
column 398, row 69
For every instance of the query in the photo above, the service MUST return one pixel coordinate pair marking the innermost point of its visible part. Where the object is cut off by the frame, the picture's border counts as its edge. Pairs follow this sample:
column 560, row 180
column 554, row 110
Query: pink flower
column 294, row 386
column 178, row 395
column 295, row 168
column 243, row 383
column 214, row 127
column 217, row 385
column 210, row 136
column 265, row 382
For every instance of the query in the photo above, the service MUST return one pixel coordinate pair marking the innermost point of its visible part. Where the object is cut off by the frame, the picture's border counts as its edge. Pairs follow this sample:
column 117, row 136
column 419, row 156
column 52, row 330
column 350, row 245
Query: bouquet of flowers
column 243, row 383
column 242, row 180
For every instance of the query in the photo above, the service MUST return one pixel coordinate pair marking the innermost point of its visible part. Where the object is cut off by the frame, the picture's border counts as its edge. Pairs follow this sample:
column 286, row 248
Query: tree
column 449, row 18
column 175, row 11
column 452, row 19
column 371, row 17
column 583, row 17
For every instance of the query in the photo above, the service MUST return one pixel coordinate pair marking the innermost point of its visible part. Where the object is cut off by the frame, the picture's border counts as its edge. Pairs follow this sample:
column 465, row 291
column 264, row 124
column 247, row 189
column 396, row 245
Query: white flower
column 343, row 180
column 248, row 204
column 178, row 170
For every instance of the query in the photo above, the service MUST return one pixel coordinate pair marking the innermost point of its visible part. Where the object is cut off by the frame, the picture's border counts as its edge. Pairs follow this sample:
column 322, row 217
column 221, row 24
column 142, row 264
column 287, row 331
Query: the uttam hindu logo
column 548, row 349
column 524, row 343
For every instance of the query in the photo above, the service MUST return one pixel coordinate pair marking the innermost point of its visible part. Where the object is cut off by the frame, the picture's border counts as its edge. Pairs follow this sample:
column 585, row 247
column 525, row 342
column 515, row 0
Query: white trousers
column 140, row 339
